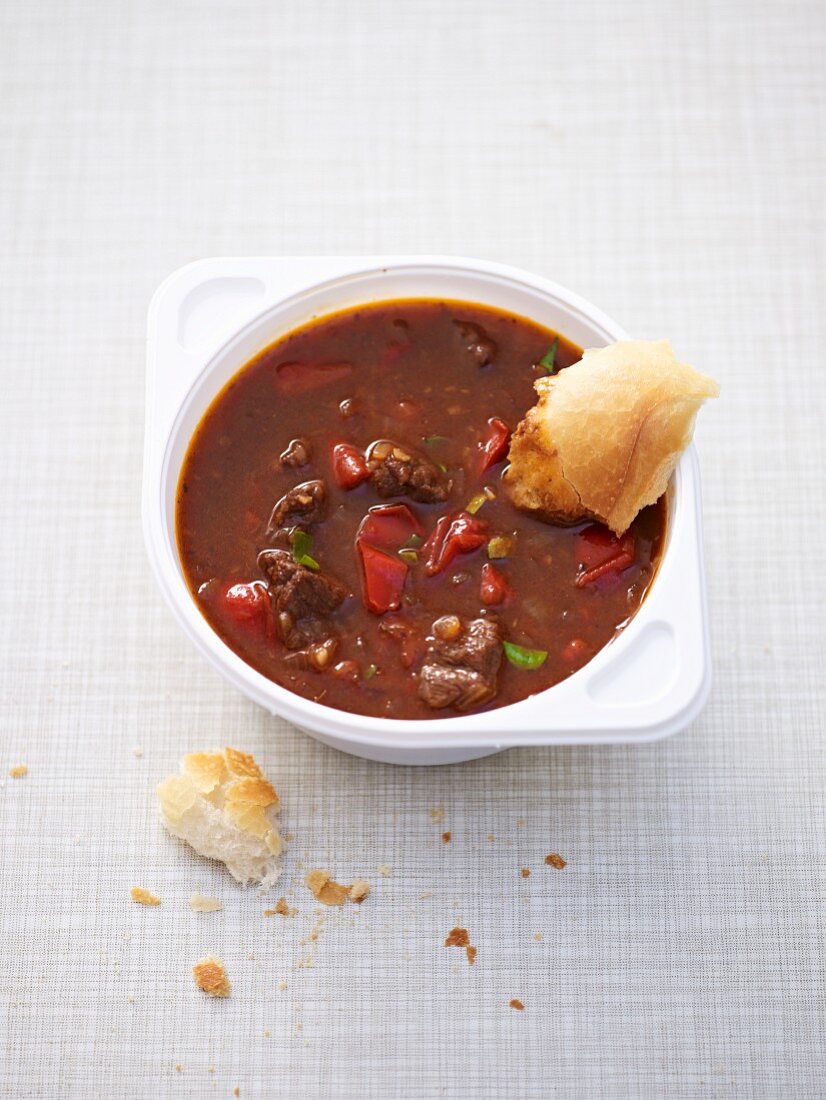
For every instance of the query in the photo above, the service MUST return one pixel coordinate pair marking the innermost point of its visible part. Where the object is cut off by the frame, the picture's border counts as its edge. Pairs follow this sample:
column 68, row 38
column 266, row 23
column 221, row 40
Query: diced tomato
column 296, row 378
column 389, row 526
column 600, row 552
column 249, row 606
column 383, row 577
column 459, row 535
column 494, row 588
column 495, row 443
column 349, row 467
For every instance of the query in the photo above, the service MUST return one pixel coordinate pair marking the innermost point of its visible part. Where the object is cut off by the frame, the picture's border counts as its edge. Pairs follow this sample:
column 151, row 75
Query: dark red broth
column 443, row 382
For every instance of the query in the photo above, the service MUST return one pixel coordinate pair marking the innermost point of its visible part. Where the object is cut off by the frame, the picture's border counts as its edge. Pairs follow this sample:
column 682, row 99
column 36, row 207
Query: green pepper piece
column 524, row 658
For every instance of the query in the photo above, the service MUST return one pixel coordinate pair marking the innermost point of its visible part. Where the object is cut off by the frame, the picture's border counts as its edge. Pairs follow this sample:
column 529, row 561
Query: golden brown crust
column 211, row 977
column 241, row 763
column 606, row 434
column 207, row 770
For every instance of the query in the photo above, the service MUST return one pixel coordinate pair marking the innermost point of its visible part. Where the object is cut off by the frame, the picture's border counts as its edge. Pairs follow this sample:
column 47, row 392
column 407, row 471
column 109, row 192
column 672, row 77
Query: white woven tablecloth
column 668, row 161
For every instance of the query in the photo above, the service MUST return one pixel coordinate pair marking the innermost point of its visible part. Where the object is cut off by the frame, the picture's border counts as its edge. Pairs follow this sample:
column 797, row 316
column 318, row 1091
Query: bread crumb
column 281, row 985
column 359, row 891
column 437, row 815
column 471, row 954
column 177, row 1069
column 236, row 1091
column 211, row 1069
column 384, row 870
column 143, row 897
column 525, row 872
column 491, row 836
column 457, row 937
column 137, row 751
column 538, row 937
column 18, row 771
column 555, row 860
column 200, row 904
column 520, row 823
column 426, row 894
column 267, row 1033
column 517, row 1005
column 251, row 957
column 281, row 908
column 211, row 977
column 446, row 837
column 323, row 889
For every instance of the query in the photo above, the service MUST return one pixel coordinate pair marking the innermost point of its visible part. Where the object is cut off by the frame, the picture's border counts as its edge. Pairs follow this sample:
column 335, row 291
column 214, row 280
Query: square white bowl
column 211, row 317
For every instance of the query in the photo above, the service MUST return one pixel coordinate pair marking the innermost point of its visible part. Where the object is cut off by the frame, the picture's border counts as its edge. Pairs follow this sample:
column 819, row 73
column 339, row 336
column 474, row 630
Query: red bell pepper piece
column 495, row 443
column 389, row 526
column 459, row 535
column 248, row 605
column 494, row 588
column 383, row 577
column 349, row 466
column 296, row 378
column 600, row 553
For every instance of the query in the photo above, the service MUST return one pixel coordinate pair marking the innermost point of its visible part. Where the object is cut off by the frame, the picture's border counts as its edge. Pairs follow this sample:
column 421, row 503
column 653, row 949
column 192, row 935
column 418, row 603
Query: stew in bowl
column 343, row 525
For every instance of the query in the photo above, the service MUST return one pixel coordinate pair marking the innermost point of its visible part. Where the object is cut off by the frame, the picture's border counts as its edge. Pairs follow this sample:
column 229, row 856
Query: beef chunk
column 298, row 453
column 300, row 507
column 477, row 342
column 461, row 666
column 302, row 600
column 397, row 471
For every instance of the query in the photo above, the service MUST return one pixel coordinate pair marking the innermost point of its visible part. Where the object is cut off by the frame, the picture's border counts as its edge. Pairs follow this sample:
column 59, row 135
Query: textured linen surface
column 668, row 161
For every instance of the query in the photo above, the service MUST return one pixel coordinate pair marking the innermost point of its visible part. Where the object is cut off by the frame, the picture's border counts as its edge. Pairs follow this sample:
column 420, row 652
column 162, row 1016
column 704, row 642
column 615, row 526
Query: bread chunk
column 606, row 433
column 224, row 808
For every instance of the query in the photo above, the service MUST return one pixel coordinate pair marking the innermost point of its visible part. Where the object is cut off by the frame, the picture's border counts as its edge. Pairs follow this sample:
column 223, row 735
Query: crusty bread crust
column 606, row 433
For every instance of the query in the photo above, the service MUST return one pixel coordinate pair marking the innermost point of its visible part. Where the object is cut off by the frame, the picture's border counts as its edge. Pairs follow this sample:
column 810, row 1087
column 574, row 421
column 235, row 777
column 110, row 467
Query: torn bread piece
column 606, row 434
column 224, row 808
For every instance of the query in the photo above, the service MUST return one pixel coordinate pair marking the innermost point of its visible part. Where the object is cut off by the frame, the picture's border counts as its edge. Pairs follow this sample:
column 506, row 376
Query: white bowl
column 209, row 318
